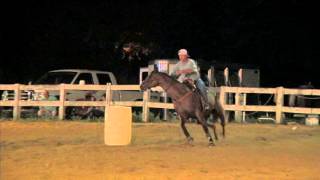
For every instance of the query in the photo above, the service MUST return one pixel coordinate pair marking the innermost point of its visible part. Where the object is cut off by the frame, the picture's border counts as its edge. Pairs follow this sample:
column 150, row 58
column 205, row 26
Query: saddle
column 190, row 84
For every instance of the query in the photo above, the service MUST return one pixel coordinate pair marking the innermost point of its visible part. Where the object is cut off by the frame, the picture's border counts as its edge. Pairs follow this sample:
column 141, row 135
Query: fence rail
column 239, row 106
column 279, row 108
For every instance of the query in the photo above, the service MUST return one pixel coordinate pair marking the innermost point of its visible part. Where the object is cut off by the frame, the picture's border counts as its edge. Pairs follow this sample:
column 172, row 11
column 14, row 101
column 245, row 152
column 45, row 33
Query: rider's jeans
column 203, row 89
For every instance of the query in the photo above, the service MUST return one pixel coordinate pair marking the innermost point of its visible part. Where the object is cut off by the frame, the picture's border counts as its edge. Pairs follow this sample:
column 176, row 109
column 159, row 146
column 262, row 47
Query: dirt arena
column 76, row 150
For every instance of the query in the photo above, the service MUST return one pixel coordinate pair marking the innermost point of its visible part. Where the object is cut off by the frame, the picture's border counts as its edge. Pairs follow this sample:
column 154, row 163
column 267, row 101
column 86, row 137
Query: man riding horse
column 187, row 102
column 186, row 70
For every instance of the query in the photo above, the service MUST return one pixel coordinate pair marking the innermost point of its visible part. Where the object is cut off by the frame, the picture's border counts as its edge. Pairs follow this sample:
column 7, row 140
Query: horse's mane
column 168, row 77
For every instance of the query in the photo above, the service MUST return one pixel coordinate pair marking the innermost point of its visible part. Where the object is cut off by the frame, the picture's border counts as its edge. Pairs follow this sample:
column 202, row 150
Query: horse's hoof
column 190, row 144
column 211, row 144
column 190, row 140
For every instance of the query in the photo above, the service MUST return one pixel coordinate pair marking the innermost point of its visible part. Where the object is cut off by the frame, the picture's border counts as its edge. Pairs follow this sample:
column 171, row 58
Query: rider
column 187, row 69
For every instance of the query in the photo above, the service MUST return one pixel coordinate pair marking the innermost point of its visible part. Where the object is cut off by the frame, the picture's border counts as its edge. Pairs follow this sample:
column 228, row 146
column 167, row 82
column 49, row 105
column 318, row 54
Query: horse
column 188, row 103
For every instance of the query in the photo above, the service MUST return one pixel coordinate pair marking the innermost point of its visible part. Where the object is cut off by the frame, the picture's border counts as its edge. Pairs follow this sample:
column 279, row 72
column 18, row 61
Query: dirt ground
column 76, row 150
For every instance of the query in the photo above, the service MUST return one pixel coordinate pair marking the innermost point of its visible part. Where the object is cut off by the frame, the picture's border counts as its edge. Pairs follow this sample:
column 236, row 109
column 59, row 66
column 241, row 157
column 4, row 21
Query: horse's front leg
column 184, row 129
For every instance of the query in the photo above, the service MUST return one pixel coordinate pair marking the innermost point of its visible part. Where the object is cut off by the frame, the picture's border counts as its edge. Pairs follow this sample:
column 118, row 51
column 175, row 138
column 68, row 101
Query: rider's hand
column 179, row 72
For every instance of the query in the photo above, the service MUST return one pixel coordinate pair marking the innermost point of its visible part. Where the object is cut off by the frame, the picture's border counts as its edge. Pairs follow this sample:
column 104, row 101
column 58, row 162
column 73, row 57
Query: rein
column 169, row 86
column 184, row 96
column 181, row 98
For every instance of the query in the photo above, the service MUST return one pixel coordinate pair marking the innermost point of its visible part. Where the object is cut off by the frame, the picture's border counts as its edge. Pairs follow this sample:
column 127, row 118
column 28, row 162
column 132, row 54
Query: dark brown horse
column 187, row 103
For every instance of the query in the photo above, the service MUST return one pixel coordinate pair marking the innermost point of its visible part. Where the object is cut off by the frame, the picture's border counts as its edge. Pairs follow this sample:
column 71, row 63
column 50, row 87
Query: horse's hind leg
column 185, row 131
column 213, row 126
column 214, row 131
column 220, row 112
column 222, row 119
column 206, row 130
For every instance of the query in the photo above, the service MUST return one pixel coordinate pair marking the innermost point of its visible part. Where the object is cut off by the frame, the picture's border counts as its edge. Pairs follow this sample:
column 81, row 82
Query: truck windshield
column 56, row 78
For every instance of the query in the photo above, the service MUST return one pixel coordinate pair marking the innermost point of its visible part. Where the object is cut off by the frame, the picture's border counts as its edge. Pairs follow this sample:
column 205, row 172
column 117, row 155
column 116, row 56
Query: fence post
column 16, row 107
column 222, row 96
column 244, row 102
column 237, row 114
column 62, row 100
column 165, row 111
column 279, row 104
column 108, row 100
column 222, row 99
column 145, row 109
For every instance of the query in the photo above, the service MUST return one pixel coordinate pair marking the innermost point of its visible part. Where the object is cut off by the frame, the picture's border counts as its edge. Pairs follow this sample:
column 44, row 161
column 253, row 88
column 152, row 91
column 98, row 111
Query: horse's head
column 151, row 81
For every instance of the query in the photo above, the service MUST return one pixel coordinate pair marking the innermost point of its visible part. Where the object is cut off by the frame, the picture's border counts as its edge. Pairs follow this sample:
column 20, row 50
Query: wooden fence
column 239, row 106
column 279, row 108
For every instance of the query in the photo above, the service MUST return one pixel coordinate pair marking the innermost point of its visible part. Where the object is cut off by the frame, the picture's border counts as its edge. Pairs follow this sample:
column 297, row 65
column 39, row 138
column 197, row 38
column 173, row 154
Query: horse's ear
column 155, row 68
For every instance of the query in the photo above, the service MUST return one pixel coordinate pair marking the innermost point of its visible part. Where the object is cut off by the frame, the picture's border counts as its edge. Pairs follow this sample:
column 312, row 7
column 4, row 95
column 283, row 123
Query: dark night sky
column 277, row 36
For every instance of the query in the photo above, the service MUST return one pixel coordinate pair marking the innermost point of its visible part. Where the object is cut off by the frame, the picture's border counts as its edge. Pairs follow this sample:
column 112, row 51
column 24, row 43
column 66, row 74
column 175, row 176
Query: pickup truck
column 77, row 76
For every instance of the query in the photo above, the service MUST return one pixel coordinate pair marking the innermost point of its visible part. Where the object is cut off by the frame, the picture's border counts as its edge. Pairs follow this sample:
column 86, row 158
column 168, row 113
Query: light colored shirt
column 189, row 64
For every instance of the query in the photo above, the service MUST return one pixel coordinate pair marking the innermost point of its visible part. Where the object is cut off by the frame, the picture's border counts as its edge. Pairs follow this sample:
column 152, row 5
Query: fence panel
column 240, row 107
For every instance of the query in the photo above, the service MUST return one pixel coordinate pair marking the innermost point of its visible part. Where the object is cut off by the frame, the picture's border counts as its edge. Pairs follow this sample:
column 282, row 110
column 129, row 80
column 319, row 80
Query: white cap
column 183, row 52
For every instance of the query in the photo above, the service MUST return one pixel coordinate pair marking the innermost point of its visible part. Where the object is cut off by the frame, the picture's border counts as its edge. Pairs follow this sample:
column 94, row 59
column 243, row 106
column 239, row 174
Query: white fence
column 239, row 106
